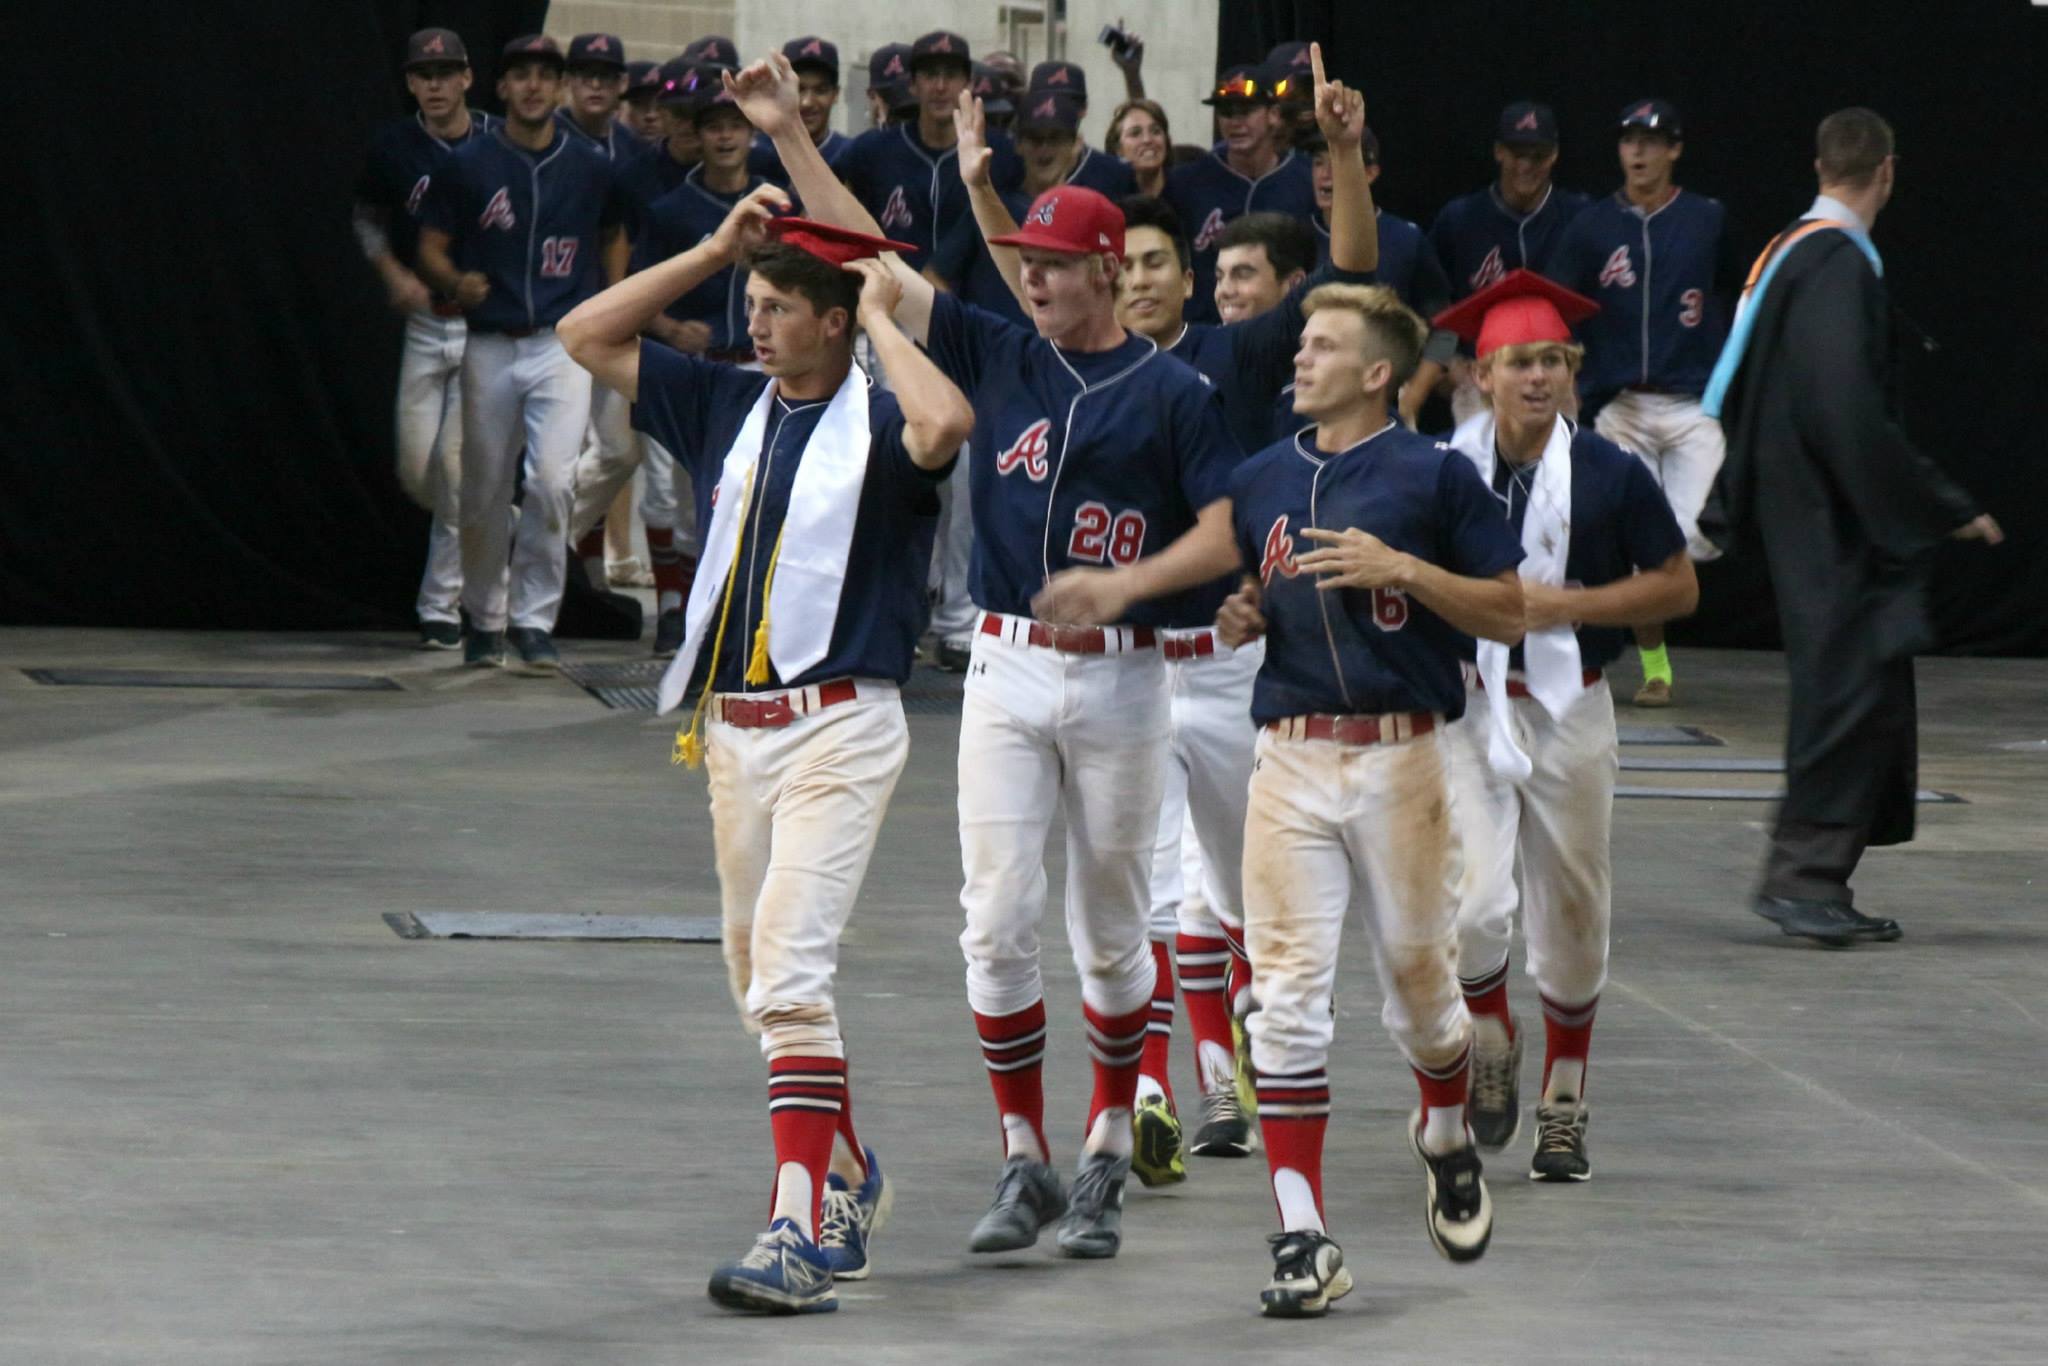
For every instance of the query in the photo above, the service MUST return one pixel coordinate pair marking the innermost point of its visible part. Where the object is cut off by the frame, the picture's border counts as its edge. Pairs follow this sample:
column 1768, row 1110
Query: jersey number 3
column 1104, row 537
column 558, row 257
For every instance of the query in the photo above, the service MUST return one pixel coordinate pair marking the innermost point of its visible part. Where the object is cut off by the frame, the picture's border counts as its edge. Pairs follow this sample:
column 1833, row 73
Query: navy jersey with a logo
column 1478, row 238
column 1357, row 650
column 1085, row 459
column 963, row 261
column 533, row 223
column 645, row 179
column 679, row 220
column 1652, row 273
column 619, row 143
column 1207, row 195
column 1106, row 175
column 399, row 171
column 1620, row 522
column 914, row 191
column 695, row 408
column 764, row 161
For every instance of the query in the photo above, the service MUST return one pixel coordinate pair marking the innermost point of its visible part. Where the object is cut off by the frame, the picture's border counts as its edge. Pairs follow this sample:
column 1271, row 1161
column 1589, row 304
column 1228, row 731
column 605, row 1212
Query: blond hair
column 1394, row 331
column 1574, row 354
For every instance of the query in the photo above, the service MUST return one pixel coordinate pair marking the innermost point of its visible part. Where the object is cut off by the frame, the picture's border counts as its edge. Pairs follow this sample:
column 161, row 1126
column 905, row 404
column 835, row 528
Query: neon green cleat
column 1156, row 1156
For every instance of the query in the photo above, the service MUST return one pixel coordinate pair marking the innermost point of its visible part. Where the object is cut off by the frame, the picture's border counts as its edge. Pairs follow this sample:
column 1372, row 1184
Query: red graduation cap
column 831, row 244
column 1520, row 307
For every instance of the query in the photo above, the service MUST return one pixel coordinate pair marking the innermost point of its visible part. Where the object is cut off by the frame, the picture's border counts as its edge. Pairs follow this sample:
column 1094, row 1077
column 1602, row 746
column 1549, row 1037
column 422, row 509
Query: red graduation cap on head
column 1520, row 307
column 831, row 244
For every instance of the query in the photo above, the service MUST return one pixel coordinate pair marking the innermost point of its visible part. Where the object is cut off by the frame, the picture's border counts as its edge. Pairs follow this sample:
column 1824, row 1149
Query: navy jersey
column 400, row 169
column 1478, row 238
column 764, row 161
column 1620, row 522
column 645, row 179
column 1079, row 458
column 1357, row 650
column 1408, row 263
column 680, row 220
column 1207, row 195
column 695, row 409
column 1106, row 175
column 964, row 263
column 914, row 191
column 533, row 222
column 619, row 143
column 1660, row 324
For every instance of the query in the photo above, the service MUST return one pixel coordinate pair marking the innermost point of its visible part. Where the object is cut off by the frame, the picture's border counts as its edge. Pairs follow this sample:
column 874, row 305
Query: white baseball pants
column 430, row 451
column 1682, row 446
column 518, row 391
column 1329, row 824
column 1198, row 850
column 1040, row 732
column 794, row 816
column 1553, row 829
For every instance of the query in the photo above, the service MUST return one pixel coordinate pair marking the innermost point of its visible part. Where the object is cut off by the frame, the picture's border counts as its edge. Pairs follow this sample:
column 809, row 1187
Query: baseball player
column 1248, row 173
column 1533, row 760
column 1650, row 254
column 1288, row 67
column 643, row 86
column 1081, row 164
column 993, row 90
column 515, row 228
column 817, row 70
column 810, row 605
column 1513, row 224
column 1373, row 549
column 596, row 87
column 907, row 175
column 889, row 97
column 389, row 197
column 1090, row 448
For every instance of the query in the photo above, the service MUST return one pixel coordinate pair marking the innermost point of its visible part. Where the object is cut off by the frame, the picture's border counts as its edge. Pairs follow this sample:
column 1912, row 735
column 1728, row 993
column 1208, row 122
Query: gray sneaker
column 1494, row 1108
column 537, row 653
column 1095, row 1207
column 1028, row 1197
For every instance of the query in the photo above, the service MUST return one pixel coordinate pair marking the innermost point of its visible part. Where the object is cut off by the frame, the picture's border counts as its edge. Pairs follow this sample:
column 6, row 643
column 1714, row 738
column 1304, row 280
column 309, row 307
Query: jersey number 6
column 558, row 257
column 1103, row 537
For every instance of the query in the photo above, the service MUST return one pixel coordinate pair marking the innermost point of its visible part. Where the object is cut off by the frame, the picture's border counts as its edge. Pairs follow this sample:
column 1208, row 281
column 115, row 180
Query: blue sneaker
column 850, row 1219
column 784, row 1274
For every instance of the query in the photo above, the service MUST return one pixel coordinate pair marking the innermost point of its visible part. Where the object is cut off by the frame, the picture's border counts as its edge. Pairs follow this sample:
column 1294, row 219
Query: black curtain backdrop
column 1964, row 85
column 199, row 365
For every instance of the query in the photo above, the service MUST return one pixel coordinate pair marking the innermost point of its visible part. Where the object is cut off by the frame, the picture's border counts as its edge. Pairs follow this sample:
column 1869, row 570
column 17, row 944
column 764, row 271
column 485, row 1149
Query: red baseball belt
column 1389, row 729
column 1073, row 640
column 1200, row 645
column 768, row 713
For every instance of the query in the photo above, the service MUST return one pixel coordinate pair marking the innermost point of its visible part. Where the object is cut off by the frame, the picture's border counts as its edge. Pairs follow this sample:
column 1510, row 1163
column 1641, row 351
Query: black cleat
column 1494, row 1108
column 1308, row 1273
column 1458, row 1212
column 537, row 653
column 484, row 650
column 953, row 656
column 1028, row 1197
column 1561, row 1142
column 440, row 635
column 668, row 633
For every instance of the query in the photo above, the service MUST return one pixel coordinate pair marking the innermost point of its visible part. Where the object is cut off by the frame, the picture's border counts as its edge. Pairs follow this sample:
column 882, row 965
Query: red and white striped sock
column 805, row 1098
column 1567, row 1036
column 1443, row 1104
column 1204, row 965
column 1013, row 1047
column 1486, row 997
column 1294, row 1110
column 1153, row 1078
column 1116, row 1044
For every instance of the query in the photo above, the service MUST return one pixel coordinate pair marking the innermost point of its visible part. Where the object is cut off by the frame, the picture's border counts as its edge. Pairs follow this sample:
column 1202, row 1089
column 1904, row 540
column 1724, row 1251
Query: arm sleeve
column 1208, row 453
column 1476, row 538
column 1648, row 529
column 678, row 395
column 1833, row 345
column 958, row 340
column 888, row 454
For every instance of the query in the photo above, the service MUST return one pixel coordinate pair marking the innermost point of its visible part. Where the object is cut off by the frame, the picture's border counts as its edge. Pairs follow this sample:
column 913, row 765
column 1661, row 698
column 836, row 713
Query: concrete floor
column 243, row 1122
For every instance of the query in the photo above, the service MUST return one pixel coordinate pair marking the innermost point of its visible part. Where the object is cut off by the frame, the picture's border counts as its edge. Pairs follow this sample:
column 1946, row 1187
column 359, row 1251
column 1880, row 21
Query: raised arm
column 602, row 334
column 1130, row 59
column 766, row 93
column 1354, row 225
column 991, row 215
column 937, row 417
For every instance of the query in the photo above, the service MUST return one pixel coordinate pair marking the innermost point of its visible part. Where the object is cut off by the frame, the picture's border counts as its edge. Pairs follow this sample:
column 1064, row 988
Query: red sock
column 1567, row 1033
column 1116, row 1043
column 1159, row 1021
column 1488, row 996
column 1240, row 968
column 1294, row 1109
column 805, row 1098
column 1445, row 1088
column 1013, row 1047
column 1204, row 963
column 845, row 1128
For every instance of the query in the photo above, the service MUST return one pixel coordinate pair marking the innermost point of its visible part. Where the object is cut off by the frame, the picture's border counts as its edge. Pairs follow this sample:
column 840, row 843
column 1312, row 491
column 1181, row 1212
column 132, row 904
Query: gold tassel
column 689, row 746
column 757, row 663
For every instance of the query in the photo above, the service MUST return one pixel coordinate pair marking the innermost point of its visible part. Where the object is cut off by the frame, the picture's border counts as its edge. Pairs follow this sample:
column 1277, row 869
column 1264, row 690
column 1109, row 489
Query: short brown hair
column 1394, row 329
column 1850, row 145
column 1112, row 143
column 796, row 271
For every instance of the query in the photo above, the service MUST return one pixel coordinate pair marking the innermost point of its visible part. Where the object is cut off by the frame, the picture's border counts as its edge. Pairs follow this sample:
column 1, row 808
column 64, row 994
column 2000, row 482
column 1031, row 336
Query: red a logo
column 497, row 213
column 895, row 66
column 943, row 45
column 1028, row 450
column 813, row 48
column 1526, row 123
column 1279, row 553
column 600, row 44
column 1618, row 272
column 1490, row 269
column 1041, row 214
column 1301, row 58
column 1212, row 229
column 1044, row 111
column 419, row 192
column 895, row 213
column 1058, row 76
column 434, row 45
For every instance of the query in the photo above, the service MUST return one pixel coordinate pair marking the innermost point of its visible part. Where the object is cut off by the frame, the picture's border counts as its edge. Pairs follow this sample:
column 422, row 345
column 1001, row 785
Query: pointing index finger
column 1315, row 60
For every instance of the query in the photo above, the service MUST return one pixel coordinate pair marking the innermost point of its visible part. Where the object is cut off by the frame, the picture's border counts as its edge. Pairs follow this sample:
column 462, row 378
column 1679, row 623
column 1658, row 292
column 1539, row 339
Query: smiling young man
column 816, row 490
column 1533, row 760
column 1089, row 448
column 390, row 197
column 1650, row 255
column 1249, row 173
column 521, row 226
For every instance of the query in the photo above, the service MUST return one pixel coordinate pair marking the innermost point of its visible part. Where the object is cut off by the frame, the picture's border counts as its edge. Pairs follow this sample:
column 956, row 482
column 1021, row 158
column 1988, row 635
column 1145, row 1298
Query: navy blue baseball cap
column 678, row 80
column 1049, row 110
column 1653, row 116
column 643, row 77
column 992, row 90
column 1059, row 76
column 1292, row 72
column 435, row 47
column 1245, row 83
column 715, row 50
column 1526, row 123
column 889, row 74
column 597, row 49
column 813, row 51
column 941, row 46
column 534, row 47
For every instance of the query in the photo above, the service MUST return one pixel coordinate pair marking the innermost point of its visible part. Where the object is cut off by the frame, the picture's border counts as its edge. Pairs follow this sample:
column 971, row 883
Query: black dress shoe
column 1874, row 928
column 1829, row 922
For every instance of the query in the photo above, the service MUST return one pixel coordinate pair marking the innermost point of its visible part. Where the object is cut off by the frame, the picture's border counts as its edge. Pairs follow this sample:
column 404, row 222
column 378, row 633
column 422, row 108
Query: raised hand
column 1340, row 111
column 970, row 122
column 1131, row 56
column 746, row 225
column 766, row 93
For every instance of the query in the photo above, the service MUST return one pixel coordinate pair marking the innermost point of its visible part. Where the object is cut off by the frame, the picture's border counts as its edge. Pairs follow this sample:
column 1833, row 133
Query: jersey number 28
column 558, row 257
column 1106, row 537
